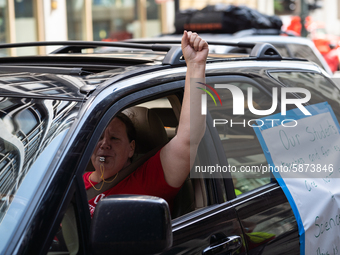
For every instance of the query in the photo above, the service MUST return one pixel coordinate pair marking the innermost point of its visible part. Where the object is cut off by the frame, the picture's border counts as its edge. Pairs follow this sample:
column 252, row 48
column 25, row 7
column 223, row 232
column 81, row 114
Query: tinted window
column 282, row 49
column 303, row 51
column 27, row 127
column 320, row 87
column 239, row 140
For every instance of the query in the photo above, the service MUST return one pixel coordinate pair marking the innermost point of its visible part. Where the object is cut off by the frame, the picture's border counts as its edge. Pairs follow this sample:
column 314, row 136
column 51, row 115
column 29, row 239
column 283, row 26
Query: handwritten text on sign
column 311, row 152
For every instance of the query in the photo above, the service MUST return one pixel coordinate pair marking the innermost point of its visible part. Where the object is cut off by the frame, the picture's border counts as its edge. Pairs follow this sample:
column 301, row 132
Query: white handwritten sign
column 309, row 159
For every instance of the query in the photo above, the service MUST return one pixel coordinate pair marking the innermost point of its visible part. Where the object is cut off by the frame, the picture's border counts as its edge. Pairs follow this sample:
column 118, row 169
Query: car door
column 220, row 222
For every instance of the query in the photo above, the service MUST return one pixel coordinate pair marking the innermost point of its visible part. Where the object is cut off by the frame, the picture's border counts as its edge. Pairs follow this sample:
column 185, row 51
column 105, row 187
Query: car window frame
column 137, row 97
column 146, row 94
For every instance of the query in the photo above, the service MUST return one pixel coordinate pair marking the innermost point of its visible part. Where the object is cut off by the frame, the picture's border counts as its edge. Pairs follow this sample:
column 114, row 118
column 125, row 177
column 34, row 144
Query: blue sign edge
column 295, row 114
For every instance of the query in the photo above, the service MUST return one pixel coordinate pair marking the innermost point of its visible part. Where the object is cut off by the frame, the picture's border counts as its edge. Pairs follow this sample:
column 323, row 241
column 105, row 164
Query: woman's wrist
column 196, row 69
column 195, row 65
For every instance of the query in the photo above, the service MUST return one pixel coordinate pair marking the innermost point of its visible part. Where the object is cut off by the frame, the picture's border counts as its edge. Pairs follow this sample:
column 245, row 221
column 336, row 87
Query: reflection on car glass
column 35, row 86
column 321, row 88
column 281, row 48
column 26, row 128
column 301, row 51
column 15, row 79
column 26, row 120
column 42, row 84
column 240, row 143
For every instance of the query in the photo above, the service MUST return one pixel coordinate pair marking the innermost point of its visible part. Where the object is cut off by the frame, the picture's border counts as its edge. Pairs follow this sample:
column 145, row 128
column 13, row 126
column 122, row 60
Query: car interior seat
column 169, row 120
column 150, row 131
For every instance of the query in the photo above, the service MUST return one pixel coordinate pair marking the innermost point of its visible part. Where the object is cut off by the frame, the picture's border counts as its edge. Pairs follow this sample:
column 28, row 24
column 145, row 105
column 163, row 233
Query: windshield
column 27, row 127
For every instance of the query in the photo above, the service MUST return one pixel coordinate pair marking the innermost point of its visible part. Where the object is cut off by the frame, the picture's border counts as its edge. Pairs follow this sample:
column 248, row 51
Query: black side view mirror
column 332, row 46
column 131, row 224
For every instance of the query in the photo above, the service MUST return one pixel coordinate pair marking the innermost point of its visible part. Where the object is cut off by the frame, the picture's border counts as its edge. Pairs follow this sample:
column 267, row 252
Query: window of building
column 75, row 22
column 25, row 25
column 3, row 26
column 113, row 20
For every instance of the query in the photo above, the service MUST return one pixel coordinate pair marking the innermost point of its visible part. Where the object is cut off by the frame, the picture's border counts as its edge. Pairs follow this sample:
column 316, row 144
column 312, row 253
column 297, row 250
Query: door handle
column 231, row 243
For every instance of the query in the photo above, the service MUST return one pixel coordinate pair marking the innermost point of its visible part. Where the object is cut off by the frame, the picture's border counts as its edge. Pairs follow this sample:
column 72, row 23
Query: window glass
column 3, row 26
column 27, row 120
column 27, row 127
column 66, row 240
column 320, row 87
column 39, row 84
column 239, row 140
column 282, row 49
column 114, row 20
column 303, row 51
column 75, row 22
column 163, row 114
column 152, row 12
column 25, row 26
column 153, row 23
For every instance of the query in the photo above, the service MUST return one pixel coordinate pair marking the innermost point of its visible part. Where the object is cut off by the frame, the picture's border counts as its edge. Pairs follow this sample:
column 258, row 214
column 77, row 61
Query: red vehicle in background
column 327, row 44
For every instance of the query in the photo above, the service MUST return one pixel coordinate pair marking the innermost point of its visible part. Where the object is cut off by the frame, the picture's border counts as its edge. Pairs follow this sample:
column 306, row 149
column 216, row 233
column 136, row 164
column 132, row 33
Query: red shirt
column 148, row 179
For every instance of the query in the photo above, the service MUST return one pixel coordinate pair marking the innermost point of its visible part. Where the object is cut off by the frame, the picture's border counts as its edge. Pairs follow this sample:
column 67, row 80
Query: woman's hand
column 194, row 48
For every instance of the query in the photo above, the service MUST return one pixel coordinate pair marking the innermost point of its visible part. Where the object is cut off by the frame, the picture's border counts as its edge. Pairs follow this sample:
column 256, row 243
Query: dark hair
column 130, row 128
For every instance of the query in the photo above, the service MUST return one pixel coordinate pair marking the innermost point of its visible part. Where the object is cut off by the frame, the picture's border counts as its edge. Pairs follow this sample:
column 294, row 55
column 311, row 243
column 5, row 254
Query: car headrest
column 150, row 131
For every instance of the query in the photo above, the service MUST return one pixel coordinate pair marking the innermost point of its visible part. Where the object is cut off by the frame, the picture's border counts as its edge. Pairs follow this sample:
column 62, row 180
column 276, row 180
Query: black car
column 54, row 109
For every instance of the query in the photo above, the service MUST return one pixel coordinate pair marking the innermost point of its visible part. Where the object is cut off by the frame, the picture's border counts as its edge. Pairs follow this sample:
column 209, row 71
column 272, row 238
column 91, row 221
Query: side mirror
column 332, row 46
column 131, row 224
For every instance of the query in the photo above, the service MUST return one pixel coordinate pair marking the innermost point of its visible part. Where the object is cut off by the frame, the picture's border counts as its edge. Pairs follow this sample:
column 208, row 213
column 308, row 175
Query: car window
column 240, row 144
column 30, row 132
column 196, row 193
column 27, row 127
column 193, row 194
column 303, row 51
column 238, row 138
column 321, row 88
column 282, row 49
column 66, row 240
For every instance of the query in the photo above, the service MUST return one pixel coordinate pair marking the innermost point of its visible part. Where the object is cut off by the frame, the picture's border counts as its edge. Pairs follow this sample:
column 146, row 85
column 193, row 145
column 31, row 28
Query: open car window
column 193, row 194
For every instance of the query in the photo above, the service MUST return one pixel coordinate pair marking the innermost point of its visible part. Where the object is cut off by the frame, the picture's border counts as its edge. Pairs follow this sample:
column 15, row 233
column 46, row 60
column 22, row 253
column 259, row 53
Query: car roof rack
column 260, row 51
column 244, row 32
column 263, row 32
column 77, row 46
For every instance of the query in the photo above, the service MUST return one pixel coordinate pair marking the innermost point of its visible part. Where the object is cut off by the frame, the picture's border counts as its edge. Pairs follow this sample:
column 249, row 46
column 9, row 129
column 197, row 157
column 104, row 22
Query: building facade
column 109, row 20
